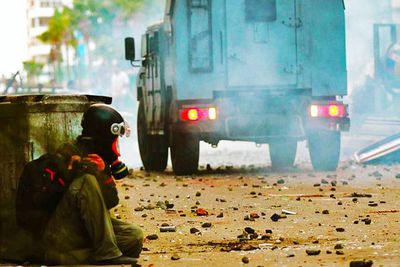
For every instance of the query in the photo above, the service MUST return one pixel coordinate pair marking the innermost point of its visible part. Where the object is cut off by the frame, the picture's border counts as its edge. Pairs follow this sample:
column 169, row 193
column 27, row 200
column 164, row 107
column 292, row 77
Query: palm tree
column 59, row 34
column 33, row 70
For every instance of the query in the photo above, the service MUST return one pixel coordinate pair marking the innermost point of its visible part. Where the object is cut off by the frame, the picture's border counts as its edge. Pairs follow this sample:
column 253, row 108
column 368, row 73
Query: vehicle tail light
column 336, row 110
column 197, row 114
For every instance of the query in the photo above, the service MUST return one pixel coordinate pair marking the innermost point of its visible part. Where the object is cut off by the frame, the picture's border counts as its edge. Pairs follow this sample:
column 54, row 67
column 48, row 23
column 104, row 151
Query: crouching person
column 64, row 199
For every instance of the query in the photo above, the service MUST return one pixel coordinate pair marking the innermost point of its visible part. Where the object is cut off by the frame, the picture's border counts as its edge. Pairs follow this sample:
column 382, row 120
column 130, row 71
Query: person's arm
column 106, row 182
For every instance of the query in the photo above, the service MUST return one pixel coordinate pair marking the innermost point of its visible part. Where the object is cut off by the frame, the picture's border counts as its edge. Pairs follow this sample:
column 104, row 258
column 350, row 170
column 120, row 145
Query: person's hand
column 72, row 160
column 97, row 160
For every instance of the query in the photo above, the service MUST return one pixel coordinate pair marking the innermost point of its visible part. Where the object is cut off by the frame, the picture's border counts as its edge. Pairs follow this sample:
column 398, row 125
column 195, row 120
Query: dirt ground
column 350, row 215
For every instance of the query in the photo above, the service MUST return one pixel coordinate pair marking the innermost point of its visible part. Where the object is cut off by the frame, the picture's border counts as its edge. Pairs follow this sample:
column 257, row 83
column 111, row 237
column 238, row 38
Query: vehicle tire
column 324, row 148
column 185, row 151
column 282, row 153
column 153, row 149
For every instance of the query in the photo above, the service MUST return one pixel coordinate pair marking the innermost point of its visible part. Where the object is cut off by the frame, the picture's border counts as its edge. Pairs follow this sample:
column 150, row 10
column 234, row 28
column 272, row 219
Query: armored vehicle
column 265, row 71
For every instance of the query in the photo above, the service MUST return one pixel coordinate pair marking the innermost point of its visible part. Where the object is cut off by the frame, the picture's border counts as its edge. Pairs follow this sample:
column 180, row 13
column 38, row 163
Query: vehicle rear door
column 261, row 43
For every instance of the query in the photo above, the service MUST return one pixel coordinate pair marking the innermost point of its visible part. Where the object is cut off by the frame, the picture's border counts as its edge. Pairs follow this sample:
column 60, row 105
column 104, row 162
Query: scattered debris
column 360, row 195
column 249, row 230
column 288, row 212
column 206, row 225
column 194, row 230
column 168, row 228
column 201, row 212
column 339, row 246
column 152, row 237
column 362, row 263
column 175, row 257
column 313, row 252
column 275, row 217
column 280, row 181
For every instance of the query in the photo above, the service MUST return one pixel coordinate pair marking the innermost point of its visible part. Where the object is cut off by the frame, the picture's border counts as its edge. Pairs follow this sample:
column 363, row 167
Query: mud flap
column 383, row 152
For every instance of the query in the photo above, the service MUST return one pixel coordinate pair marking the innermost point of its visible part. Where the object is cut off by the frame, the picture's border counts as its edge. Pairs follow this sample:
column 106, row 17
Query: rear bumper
column 342, row 124
column 257, row 119
column 245, row 128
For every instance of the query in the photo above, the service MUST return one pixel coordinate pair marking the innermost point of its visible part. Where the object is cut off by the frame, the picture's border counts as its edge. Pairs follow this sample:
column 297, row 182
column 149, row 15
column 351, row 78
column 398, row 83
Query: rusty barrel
column 31, row 125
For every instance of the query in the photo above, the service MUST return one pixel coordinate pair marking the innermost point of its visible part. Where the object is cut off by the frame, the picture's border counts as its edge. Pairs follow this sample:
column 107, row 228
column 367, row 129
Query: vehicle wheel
column 324, row 147
column 282, row 153
column 184, row 153
column 153, row 149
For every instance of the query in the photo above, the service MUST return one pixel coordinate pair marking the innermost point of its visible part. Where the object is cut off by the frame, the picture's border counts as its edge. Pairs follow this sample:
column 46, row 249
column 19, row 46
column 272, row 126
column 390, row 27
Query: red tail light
column 336, row 110
column 197, row 114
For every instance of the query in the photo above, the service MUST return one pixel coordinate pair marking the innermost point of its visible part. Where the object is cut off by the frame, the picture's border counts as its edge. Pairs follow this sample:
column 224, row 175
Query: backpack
column 41, row 186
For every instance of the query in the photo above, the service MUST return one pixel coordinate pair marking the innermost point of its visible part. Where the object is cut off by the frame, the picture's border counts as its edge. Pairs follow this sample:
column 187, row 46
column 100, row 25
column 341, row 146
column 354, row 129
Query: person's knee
column 136, row 235
column 134, row 241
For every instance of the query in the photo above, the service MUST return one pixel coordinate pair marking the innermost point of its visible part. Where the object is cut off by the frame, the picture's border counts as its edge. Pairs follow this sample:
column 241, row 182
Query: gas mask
column 102, row 126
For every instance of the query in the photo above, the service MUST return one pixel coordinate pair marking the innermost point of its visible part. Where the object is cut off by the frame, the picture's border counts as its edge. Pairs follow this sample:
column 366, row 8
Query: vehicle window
column 260, row 10
column 200, row 35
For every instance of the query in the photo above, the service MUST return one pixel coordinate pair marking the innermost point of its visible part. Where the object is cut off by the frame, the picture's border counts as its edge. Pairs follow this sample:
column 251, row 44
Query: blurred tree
column 59, row 34
column 33, row 70
column 95, row 29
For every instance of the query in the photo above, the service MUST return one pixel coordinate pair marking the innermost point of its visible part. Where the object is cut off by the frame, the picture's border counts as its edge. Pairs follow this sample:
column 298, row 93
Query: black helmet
column 104, row 122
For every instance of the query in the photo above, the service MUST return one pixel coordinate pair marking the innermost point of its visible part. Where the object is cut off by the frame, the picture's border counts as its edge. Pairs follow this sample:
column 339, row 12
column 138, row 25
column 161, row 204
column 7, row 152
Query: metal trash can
column 31, row 125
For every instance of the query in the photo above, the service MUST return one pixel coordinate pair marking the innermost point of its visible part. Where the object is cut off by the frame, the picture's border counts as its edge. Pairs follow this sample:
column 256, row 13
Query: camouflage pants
column 81, row 229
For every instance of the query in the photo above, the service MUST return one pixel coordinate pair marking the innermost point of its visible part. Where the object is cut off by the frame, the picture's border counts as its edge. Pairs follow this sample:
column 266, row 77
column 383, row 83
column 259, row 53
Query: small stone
column 367, row 221
column 325, row 212
column 139, row 208
column 328, row 252
column 245, row 260
column 340, row 203
column 220, row 215
column 254, row 215
column 317, row 185
column 323, row 181
column 152, row 237
column 313, row 252
column 275, row 217
column 249, row 230
column 333, row 183
column 201, row 212
column 339, row 246
column 198, row 194
column 290, row 254
column 194, row 230
column 339, row 252
column 362, row 263
column 340, row 229
column 280, row 181
column 373, row 204
column 175, row 257
column 206, row 225
column 127, row 197
column 268, row 231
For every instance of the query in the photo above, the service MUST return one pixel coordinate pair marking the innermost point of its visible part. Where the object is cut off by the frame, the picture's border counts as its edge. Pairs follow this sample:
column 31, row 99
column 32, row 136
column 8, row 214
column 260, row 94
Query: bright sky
column 13, row 35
